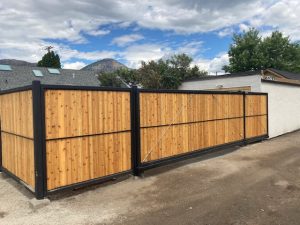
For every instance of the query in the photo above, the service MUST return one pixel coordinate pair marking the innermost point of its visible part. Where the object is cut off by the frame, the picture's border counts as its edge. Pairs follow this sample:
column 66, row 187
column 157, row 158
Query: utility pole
column 48, row 48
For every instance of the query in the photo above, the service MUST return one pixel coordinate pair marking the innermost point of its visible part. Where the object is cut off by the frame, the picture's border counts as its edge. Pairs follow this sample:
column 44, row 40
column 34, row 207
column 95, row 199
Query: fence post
column 135, row 131
column 39, row 140
column 244, row 117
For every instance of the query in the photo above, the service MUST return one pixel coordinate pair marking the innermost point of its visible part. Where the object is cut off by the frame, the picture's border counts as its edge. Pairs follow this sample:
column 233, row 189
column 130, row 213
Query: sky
column 84, row 31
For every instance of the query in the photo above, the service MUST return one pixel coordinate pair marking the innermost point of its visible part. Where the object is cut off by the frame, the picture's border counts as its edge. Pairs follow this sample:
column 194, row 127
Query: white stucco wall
column 284, row 107
column 253, row 81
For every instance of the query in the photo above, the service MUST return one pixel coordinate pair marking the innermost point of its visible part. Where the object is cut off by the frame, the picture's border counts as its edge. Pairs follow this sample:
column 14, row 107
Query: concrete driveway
column 256, row 184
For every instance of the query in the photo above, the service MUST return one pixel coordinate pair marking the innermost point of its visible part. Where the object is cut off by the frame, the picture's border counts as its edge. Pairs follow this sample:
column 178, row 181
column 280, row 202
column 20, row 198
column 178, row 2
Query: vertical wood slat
column 16, row 113
column 88, row 135
column 17, row 135
column 256, row 115
column 189, row 122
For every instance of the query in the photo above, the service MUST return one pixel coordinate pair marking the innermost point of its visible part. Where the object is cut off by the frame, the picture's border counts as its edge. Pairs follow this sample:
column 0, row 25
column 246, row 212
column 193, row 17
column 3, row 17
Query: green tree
column 130, row 76
column 251, row 52
column 158, row 75
column 110, row 79
column 245, row 52
column 119, row 78
column 161, row 74
column 51, row 60
column 280, row 53
column 168, row 74
column 195, row 72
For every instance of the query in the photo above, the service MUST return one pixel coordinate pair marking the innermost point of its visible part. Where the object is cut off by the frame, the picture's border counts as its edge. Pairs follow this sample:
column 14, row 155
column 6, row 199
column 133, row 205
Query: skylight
column 37, row 73
column 53, row 71
column 5, row 67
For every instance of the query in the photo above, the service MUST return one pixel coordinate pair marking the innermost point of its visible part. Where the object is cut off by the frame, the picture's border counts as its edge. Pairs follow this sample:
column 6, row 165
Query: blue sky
column 84, row 31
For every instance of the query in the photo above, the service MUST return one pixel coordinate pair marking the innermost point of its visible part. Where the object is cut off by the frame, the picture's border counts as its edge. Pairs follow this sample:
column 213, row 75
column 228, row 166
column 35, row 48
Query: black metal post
column 244, row 118
column 135, row 131
column 39, row 140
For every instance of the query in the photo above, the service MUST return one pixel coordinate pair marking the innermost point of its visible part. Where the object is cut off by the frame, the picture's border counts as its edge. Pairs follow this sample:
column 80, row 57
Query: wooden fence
column 57, row 137
column 87, row 135
column 174, row 123
column 17, row 135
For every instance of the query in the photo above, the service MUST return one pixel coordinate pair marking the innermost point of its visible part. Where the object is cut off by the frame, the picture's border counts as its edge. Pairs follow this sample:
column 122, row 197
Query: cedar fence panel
column 17, row 135
column 87, row 135
column 176, row 123
column 59, row 137
column 256, row 115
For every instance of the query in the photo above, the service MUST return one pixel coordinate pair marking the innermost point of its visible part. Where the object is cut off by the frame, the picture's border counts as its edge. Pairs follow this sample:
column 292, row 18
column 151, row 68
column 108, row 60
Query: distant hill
column 15, row 62
column 104, row 65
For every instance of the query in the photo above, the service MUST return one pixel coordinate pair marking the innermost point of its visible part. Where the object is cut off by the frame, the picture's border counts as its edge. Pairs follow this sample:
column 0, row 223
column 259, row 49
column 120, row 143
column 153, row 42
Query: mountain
column 104, row 65
column 15, row 62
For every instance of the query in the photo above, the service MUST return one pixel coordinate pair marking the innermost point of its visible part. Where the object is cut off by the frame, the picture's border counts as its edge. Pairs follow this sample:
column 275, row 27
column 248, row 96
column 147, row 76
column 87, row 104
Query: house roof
column 286, row 82
column 286, row 74
column 240, row 74
column 20, row 76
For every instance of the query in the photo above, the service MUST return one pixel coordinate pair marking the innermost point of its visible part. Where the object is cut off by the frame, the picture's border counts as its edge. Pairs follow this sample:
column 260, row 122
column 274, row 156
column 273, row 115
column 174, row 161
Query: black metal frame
column 94, row 181
column 142, row 166
column 89, row 182
column 39, row 139
column 38, row 102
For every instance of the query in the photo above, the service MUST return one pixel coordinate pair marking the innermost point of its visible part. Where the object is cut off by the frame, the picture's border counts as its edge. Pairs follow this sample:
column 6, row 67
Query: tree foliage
column 110, row 80
column 51, row 60
column 249, row 51
column 161, row 74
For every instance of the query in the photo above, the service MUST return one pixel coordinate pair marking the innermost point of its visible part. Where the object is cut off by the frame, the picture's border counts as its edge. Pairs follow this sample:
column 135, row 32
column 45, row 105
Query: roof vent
column 5, row 67
column 53, row 71
column 37, row 73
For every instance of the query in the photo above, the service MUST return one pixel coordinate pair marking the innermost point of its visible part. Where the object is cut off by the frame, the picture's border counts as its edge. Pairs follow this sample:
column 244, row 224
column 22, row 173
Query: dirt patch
column 3, row 214
column 256, row 184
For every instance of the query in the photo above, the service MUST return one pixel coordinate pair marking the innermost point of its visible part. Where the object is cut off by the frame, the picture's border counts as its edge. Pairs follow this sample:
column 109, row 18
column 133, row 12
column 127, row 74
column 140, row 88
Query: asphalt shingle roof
column 286, row 74
column 211, row 77
column 21, row 76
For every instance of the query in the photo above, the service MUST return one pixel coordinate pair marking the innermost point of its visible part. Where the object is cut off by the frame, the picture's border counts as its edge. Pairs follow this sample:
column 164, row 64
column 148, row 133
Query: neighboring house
column 17, row 76
column 283, row 89
column 243, row 81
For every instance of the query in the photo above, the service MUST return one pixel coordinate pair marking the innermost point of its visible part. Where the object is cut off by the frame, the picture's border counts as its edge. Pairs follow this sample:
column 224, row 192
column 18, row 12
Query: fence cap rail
column 173, row 91
column 100, row 88
column 18, row 89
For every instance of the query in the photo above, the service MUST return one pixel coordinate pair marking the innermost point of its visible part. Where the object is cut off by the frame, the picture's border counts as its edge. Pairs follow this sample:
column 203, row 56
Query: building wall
column 253, row 81
column 284, row 107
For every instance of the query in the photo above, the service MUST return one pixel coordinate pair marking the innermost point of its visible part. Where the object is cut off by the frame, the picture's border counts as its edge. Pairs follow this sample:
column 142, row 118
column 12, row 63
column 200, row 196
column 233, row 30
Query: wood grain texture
column 168, row 108
column 256, row 126
column 18, row 157
column 74, row 160
column 256, row 105
column 72, row 113
column 166, row 141
column 16, row 113
column 256, row 112
column 188, row 122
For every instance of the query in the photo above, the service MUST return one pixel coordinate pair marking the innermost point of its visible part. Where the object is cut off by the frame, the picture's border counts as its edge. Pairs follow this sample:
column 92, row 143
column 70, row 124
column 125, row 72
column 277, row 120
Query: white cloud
column 228, row 31
column 26, row 25
column 190, row 48
column 284, row 16
column 98, row 32
column 214, row 65
column 75, row 65
column 144, row 52
column 126, row 39
column 134, row 54
column 244, row 27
